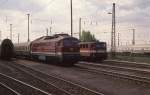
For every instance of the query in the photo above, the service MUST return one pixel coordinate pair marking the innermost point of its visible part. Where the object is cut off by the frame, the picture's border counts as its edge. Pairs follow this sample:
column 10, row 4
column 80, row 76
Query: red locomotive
column 60, row 48
column 95, row 51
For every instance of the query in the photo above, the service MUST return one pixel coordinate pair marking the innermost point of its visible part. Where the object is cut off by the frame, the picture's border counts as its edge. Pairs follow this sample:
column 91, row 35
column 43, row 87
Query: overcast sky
column 129, row 14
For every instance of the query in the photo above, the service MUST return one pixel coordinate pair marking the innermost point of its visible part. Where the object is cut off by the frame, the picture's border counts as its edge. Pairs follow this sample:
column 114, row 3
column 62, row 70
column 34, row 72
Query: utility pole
column 46, row 31
column 114, row 27
column 50, row 31
column 28, row 27
column 18, row 37
column 80, row 29
column 113, row 30
column 113, row 35
column 111, row 50
column 118, row 39
column 11, row 32
column 71, row 18
column 133, row 41
column 0, row 36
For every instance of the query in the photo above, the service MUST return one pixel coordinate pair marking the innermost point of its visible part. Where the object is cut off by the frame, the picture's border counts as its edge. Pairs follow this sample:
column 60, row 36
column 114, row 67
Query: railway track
column 21, row 75
column 137, row 75
column 127, row 64
column 17, row 87
column 128, row 70
column 70, row 87
column 4, row 89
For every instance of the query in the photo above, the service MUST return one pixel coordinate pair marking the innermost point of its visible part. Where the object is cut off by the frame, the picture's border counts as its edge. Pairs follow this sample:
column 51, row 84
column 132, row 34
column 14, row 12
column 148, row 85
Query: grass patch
column 136, row 58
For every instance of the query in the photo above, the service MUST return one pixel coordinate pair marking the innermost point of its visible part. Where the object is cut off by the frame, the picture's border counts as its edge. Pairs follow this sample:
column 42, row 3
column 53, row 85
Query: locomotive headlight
column 71, row 49
column 104, row 45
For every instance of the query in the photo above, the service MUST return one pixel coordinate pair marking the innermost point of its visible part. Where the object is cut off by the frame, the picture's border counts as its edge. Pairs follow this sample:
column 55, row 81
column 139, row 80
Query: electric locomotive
column 94, row 51
column 60, row 48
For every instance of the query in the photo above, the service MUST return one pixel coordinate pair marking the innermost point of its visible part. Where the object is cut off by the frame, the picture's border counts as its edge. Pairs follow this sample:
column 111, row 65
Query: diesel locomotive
column 59, row 48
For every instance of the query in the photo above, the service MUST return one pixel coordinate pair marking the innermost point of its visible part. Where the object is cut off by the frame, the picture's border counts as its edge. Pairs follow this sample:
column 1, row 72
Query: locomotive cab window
column 80, row 46
column 86, row 46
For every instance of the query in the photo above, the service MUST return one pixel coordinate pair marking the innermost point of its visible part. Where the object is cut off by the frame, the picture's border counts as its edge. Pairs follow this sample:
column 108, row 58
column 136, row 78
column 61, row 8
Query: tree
column 86, row 36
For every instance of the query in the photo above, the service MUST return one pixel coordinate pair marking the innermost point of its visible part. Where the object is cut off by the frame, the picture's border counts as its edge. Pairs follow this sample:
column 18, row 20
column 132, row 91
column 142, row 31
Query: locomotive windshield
column 70, row 42
column 100, row 45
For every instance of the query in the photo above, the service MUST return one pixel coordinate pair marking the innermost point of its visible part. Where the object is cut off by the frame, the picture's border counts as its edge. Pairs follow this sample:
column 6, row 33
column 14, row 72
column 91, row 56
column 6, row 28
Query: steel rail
column 60, row 79
column 114, row 73
column 24, row 84
column 10, row 89
column 44, row 81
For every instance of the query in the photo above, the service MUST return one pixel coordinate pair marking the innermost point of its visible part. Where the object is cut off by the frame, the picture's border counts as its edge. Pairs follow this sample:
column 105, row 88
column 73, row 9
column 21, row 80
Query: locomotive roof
column 55, row 37
column 91, row 42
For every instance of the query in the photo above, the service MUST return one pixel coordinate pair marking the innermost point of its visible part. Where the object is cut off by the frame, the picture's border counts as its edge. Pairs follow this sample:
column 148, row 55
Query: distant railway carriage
column 134, row 49
column 60, row 48
column 93, row 51
column 6, row 49
column 22, row 49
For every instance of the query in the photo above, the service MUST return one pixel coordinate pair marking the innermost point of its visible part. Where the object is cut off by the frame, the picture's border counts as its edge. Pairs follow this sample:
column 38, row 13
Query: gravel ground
column 102, row 83
column 5, row 91
column 144, row 66
column 6, row 68
column 117, row 68
column 20, row 88
column 60, row 83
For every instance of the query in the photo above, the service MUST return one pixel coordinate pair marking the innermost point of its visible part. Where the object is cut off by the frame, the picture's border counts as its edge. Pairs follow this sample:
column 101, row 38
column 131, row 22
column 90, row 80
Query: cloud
column 25, row 5
column 129, row 14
